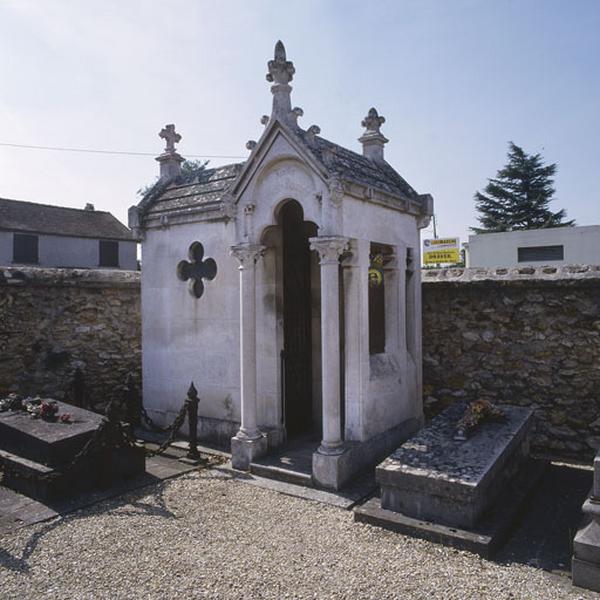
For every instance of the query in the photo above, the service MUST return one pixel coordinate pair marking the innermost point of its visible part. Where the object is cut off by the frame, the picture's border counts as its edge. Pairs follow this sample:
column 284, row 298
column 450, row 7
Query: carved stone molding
column 336, row 192
column 228, row 206
column 247, row 254
column 330, row 248
column 423, row 221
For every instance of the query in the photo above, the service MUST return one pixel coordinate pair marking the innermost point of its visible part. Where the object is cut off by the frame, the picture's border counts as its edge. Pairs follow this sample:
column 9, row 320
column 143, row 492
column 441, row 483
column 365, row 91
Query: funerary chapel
column 287, row 288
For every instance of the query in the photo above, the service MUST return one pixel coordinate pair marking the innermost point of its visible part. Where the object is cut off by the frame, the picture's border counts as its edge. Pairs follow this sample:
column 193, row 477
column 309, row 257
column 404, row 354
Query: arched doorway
column 298, row 326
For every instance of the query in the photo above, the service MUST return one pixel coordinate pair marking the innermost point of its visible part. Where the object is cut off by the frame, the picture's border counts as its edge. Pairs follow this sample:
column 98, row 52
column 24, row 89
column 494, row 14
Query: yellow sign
column 444, row 250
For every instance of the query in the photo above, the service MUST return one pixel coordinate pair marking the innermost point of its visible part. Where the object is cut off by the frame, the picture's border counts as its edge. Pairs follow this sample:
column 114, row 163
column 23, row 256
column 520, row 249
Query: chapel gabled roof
column 355, row 167
column 30, row 217
column 215, row 189
column 202, row 188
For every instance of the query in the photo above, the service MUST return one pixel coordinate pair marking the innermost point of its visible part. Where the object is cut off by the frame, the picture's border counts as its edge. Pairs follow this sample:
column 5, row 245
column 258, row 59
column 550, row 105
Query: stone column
column 355, row 271
column 330, row 249
column 249, row 442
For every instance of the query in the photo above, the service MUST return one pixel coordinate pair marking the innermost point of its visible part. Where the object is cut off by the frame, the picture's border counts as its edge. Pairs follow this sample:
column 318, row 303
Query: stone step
column 98, row 470
column 281, row 474
column 27, row 476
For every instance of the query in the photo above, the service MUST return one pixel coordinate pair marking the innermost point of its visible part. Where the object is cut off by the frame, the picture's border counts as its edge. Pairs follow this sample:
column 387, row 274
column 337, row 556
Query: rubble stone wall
column 55, row 320
column 525, row 336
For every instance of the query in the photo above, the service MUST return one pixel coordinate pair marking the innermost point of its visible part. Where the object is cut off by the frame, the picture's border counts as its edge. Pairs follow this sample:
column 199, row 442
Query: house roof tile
column 16, row 215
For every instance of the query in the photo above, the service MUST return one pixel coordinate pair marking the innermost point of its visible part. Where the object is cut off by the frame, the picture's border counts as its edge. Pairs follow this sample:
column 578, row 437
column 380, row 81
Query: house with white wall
column 552, row 246
column 42, row 235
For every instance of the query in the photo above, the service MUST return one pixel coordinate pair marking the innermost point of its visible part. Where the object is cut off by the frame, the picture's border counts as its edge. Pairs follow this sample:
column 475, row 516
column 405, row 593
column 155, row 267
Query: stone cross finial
column 372, row 139
column 169, row 134
column 169, row 160
column 281, row 70
column 372, row 122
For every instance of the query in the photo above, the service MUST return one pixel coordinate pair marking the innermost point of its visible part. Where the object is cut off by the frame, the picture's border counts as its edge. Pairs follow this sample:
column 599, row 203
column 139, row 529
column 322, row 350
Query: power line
column 114, row 152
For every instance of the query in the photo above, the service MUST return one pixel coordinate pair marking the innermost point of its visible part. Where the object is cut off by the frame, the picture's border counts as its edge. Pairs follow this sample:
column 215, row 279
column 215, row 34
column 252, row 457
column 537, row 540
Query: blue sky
column 456, row 80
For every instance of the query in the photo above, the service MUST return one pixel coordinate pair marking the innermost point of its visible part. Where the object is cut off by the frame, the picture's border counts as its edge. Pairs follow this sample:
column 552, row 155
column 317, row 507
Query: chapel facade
column 287, row 287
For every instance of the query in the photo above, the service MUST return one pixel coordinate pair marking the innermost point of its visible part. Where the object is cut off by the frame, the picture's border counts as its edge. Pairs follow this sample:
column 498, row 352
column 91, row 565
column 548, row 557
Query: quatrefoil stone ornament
column 196, row 269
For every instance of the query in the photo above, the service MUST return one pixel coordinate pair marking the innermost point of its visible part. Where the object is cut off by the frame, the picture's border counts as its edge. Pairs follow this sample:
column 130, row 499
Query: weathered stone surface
column 53, row 321
column 38, row 455
column 434, row 477
column 49, row 443
column 586, row 545
column 523, row 336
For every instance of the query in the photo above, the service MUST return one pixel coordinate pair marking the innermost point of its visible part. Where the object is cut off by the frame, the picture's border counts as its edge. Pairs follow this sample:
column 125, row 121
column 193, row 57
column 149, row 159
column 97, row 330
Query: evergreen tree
column 519, row 196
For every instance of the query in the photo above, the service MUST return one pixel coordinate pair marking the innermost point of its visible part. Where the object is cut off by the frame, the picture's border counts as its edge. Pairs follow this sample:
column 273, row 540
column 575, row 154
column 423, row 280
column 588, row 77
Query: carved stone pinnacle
column 281, row 70
column 372, row 122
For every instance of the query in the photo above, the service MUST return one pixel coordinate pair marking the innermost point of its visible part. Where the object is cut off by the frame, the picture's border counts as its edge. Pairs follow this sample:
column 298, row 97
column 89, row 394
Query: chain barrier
column 151, row 424
column 171, row 430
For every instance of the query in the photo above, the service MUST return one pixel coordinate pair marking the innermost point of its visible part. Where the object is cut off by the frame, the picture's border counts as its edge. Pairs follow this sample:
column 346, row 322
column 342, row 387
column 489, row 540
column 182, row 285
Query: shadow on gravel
column 544, row 535
column 154, row 505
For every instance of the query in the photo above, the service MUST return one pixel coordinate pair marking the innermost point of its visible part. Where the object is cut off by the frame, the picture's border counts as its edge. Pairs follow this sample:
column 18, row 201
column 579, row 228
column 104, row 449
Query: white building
column 301, row 311
column 558, row 245
column 54, row 236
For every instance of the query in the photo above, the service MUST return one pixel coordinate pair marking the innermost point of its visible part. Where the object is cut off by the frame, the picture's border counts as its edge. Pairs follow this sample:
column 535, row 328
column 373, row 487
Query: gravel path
column 206, row 536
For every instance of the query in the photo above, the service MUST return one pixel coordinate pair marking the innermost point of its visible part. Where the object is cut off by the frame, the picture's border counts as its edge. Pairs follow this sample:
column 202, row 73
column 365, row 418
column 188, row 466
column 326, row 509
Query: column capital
column 247, row 254
column 330, row 248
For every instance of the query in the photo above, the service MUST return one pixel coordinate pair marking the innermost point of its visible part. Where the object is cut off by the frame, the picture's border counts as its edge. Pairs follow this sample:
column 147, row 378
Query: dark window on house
column 376, row 301
column 109, row 253
column 541, row 253
column 25, row 249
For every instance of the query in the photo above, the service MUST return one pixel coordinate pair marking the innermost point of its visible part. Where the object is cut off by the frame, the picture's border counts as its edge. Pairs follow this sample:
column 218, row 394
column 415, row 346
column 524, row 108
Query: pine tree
column 519, row 196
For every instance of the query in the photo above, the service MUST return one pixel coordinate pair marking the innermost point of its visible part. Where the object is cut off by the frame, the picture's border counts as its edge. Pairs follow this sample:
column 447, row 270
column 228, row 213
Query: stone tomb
column 31, row 450
column 462, row 493
column 586, row 545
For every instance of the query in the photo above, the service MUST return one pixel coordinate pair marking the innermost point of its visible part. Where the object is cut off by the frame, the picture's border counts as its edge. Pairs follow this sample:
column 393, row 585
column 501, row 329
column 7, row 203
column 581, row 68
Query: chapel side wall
column 187, row 339
column 392, row 393
column 53, row 321
column 523, row 336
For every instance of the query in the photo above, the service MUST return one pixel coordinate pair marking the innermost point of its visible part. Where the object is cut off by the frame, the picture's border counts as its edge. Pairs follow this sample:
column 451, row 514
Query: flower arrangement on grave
column 35, row 407
column 477, row 412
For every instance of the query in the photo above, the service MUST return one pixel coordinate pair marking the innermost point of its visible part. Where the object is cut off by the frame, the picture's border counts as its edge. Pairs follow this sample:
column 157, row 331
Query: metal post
column 192, row 403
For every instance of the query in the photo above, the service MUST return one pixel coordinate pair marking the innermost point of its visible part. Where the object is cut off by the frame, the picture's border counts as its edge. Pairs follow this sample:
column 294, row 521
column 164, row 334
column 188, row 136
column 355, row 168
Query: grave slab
column 37, row 454
column 434, row 477
column 47, row 443
column 485, row 539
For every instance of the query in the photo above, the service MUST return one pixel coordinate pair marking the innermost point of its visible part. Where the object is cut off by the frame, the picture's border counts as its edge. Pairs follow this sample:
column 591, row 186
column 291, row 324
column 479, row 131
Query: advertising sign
column 442, row 250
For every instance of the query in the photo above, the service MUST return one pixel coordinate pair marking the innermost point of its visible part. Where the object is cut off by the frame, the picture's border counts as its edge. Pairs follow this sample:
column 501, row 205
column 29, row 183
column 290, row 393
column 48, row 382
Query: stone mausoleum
column 287, row 287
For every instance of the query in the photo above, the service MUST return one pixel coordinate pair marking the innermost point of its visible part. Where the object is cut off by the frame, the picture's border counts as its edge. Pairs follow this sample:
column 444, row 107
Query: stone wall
column 525, row 336
column 55, row 320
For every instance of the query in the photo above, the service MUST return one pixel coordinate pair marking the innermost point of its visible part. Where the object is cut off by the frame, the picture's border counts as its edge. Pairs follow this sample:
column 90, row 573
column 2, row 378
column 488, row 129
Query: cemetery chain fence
column 113, row 434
